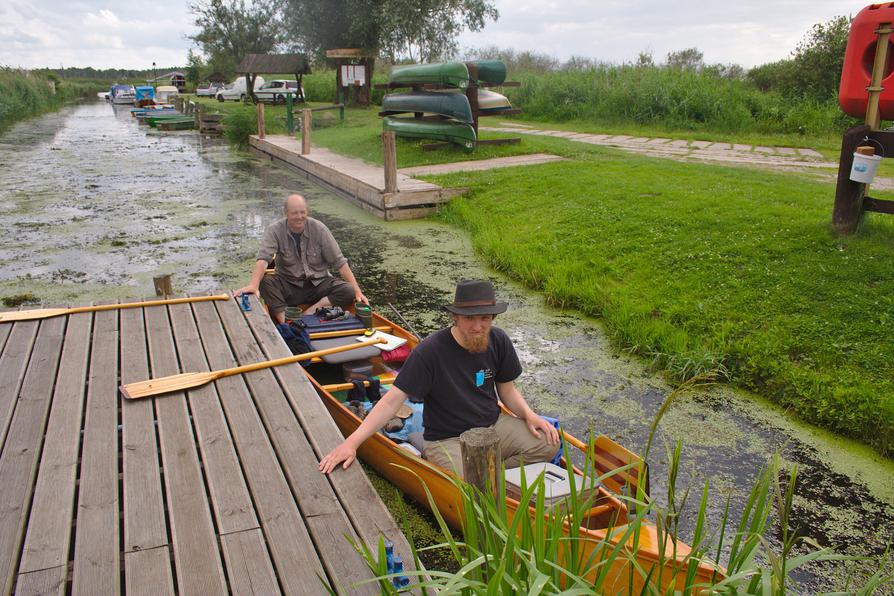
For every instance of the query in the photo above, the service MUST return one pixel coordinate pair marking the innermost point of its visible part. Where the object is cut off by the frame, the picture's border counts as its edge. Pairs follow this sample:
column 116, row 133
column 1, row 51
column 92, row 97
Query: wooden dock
column 357, row 181
column 210, row 492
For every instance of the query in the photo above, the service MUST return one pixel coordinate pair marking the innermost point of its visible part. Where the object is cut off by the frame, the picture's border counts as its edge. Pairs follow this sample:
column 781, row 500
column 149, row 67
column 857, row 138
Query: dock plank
column 369, row 516
column 52, row 508
column 42, row 583
column 148, row 572
column 144, row 518
column 248, row 563
column 21, row 450
column 96, row 568
column 291, row 548
column 197, row 559
column 13, row 363
column 230, row 498
column 327, row 523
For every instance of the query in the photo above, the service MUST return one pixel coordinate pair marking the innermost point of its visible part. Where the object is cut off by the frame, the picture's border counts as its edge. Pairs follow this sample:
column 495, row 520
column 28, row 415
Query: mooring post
column 305, row 130
column 849, row 194
column 481, row 458
column 163, row 286
column 262, row 132
column 290, row 120
column 390, row 161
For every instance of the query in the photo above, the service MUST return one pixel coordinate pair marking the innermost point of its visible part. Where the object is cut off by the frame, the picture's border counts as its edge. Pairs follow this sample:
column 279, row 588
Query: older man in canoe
column 460, row 372
column 305, row 252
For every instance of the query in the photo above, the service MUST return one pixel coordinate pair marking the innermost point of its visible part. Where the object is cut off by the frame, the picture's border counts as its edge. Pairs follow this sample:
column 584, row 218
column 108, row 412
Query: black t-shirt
column 456, row 385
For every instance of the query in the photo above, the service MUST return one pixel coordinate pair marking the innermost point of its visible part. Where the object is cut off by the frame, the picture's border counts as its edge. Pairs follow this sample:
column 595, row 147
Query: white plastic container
column 864, row 167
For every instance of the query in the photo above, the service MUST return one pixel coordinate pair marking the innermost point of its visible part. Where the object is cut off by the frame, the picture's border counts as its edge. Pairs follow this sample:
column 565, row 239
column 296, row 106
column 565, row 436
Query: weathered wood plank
column 293, row 552
column 248, row 563
column 360, row 501
column 96, row 561
column 45, row 582
column 232, row 504
column 18, row 463
column 49, row 528
column 144, row 518
column 312, row 490
column 148, row 572
column 13, row 363
column 196, row 556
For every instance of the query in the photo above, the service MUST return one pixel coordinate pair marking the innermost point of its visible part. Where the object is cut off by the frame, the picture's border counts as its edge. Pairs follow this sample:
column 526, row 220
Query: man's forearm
column 383, row 411
column 257, row 274
column 512, row 399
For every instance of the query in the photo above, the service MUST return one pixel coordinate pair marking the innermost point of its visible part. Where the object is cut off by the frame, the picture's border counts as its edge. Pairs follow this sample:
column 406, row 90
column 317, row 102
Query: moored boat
column 122, row 94
column 459, row 133
column 449, row 74
column 449, row 105
column 144, row 95
column 647, row 555
column 490, row 71
column 490, row 101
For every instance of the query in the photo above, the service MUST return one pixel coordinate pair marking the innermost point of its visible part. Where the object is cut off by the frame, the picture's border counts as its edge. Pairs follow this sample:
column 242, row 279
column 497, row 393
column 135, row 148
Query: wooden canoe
column 459, row 133
column 412, row 474
column 448, row 74
column 449, row 105
column 490, row 101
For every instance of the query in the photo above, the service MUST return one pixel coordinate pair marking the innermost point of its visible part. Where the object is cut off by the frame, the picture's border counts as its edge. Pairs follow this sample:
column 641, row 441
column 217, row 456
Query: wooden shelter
column 353, row 75
column 254, row 64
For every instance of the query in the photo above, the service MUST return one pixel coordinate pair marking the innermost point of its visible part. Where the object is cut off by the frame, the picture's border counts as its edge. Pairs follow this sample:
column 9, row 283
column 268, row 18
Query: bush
column 28, row 93
column 239, row 125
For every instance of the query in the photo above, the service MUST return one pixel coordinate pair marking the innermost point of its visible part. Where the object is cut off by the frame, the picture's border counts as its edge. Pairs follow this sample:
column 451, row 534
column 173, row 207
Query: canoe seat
column 341, row 357
column 609, row 456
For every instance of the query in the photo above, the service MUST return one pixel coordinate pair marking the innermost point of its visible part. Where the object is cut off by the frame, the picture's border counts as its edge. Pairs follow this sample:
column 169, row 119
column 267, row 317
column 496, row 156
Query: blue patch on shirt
column 479, row 378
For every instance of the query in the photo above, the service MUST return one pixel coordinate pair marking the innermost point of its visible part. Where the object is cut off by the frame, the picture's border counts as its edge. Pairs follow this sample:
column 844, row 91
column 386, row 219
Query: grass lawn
column 696, row 267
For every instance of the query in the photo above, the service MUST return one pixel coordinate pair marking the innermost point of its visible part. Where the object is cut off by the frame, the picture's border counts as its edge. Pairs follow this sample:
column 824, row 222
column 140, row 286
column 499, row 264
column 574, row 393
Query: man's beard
column 477, row 343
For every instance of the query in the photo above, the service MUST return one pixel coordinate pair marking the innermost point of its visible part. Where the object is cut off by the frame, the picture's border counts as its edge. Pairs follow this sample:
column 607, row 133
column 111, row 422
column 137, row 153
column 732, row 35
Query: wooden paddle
column 347, row 332
column 185, row 381
column 46, row 313
column 383, row 379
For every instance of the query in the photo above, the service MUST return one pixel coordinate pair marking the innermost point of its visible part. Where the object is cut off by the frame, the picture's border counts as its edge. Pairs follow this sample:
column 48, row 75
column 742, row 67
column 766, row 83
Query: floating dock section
column 357, row 181
column 211, row 491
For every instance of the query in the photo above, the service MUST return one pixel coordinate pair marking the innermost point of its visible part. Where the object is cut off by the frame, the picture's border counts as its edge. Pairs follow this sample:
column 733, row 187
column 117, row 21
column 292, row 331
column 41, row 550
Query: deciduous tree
column 230, row 29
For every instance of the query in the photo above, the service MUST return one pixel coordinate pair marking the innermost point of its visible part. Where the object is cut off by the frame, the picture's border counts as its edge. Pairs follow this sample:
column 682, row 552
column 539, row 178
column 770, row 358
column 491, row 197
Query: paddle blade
column 30, row 315
column 179, row 382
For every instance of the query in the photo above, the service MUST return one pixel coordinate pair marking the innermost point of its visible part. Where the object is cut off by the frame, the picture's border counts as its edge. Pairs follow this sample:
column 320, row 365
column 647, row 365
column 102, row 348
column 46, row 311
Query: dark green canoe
column 459, row 133
column 154, row 120
column 491, row 71
column 449, row 74
column 449, row 105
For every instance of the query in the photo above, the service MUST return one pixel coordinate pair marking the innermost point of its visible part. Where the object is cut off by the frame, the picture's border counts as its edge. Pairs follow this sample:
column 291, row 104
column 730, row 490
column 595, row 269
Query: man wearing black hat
column 460, row 372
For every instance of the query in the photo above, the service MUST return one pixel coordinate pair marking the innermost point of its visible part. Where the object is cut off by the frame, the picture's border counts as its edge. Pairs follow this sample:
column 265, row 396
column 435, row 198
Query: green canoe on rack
column 491, row 71
column 449, row 74
column 449, row 105
column 459, row 133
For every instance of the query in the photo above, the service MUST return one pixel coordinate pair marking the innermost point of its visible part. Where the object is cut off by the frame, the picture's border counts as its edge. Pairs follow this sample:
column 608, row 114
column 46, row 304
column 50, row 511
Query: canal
column 94, row 206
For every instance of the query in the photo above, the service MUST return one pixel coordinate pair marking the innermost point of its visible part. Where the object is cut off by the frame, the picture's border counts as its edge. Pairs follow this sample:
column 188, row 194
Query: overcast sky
column 106, row 34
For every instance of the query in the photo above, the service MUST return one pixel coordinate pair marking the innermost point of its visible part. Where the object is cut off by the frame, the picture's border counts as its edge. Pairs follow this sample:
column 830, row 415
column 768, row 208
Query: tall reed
column 24, row 94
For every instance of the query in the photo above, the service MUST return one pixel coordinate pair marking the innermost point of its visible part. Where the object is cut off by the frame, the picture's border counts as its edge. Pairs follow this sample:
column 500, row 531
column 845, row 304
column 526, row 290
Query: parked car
column 208, row 89
column 277, row 90
column 236, row 90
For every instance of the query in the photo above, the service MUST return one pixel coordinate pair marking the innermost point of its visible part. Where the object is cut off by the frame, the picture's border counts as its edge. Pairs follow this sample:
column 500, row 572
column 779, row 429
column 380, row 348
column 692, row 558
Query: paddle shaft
column 384, row 380
column 404, row 321
column 183, row 381
column 46, row 313
column 347, row 332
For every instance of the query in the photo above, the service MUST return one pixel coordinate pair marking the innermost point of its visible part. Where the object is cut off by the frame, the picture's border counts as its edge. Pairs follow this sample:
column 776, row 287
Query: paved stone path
column 481, row 164
column 682, row 149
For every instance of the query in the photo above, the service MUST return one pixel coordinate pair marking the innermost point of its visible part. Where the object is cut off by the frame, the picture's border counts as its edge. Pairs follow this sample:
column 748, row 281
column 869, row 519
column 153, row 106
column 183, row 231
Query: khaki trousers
column 517, row 445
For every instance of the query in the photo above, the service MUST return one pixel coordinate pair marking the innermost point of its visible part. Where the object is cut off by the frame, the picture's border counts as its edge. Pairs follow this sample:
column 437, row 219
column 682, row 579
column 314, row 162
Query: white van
column 236, row 89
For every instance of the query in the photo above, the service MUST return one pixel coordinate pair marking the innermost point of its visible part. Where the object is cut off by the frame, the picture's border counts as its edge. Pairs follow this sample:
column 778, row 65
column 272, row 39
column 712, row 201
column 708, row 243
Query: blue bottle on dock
column 401, row 581
column 389, row 555
column 246, row 305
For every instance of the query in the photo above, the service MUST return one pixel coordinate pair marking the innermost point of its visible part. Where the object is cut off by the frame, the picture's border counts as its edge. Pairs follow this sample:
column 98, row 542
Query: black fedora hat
column 475, row 297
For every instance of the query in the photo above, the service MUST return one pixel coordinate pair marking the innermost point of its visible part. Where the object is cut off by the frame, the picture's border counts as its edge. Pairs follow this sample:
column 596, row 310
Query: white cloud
column 104, row 18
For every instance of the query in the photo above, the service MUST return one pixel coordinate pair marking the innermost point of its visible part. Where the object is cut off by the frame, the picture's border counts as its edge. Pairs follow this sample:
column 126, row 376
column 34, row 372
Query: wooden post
column 481, row 458
column 849, row 194
column 262, row 132
column 163, row 286
column 873, row 118
column 290, row 120
column 305, row 131
column 390, row 160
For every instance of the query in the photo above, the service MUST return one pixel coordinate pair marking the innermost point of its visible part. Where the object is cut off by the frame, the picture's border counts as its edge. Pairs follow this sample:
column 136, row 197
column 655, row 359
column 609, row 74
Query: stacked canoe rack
column 446, row 101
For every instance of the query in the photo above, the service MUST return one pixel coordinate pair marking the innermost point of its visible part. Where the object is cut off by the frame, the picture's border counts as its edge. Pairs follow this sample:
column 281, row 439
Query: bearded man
column 460, row 372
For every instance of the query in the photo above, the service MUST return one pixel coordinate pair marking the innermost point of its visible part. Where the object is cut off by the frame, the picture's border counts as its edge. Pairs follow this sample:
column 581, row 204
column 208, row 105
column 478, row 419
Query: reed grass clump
column 675, row 99
column 24, row 94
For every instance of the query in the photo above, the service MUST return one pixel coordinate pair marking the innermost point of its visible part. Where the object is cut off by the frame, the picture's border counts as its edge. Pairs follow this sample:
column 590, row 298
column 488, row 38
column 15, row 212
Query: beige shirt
column 319, row 251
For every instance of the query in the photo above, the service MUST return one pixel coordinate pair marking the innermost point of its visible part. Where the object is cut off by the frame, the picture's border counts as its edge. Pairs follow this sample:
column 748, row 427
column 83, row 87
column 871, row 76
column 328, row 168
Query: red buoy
column 856, row 74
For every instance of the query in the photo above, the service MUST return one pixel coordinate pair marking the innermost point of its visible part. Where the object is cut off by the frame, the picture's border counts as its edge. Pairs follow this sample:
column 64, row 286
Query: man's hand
column 360, row 298
column 536, row 425
column 245, row 290
column 343, row 453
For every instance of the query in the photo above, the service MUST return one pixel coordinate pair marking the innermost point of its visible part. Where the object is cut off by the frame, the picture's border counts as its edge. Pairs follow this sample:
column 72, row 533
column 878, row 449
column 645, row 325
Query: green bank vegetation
column 24, row 94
